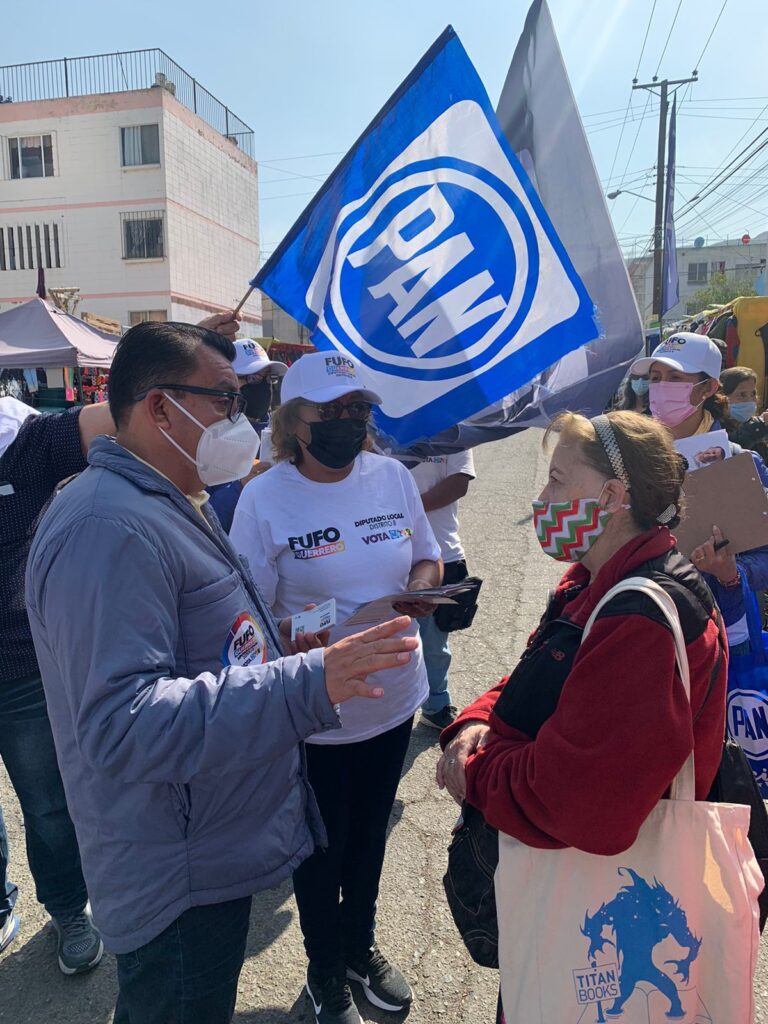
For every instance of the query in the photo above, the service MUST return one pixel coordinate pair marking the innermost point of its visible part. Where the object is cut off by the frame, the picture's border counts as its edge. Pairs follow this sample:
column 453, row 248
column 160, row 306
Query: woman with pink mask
column 684, row 375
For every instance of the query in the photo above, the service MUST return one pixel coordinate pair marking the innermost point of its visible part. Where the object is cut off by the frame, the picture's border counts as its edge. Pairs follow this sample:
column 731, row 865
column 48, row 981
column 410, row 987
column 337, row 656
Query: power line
column 312, row 156
column 714, row 183
column 637, row 136
column 747, row 189
column 736, row 202
column 629, row 101
column 709, row 37
column 669, row 37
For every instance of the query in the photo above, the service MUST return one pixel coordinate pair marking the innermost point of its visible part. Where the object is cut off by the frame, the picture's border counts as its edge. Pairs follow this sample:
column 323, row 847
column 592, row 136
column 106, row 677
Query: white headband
column 607, row 439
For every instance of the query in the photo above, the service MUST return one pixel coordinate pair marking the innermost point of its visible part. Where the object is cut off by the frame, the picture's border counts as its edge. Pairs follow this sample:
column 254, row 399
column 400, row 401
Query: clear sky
column 308, row 77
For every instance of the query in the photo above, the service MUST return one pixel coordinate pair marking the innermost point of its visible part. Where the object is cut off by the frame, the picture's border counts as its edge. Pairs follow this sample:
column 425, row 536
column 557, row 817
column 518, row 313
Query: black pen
column 721, row 544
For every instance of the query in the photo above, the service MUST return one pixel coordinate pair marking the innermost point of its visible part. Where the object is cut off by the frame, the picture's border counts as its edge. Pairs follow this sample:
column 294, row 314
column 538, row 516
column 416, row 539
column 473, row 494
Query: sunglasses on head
column 335, row 410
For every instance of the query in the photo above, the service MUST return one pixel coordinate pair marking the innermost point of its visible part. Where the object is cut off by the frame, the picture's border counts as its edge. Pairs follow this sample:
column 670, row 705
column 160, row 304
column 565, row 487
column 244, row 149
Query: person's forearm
column 427, row 572
column 93, row 421
column 453, row 488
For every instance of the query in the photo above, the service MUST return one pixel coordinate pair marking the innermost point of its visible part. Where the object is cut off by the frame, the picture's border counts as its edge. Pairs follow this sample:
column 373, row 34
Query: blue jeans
column 27, row 750
column 188, row 974
column 437, row 658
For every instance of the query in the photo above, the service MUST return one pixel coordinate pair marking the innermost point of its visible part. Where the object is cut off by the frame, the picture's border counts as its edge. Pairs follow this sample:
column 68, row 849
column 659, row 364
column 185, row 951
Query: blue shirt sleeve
column 762, row 469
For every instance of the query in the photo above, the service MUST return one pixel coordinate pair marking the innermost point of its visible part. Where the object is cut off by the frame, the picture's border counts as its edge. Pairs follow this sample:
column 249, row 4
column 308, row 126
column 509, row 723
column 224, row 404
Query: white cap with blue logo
column 684, row 351
column 325, row 376
column 251, row 357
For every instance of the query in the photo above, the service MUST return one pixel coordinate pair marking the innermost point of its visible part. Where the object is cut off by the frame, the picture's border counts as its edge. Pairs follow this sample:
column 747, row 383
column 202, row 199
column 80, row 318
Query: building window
column 30, row 246
column 718, row 266
column 143, row 236
column 144, row 316
column 31, row 156
column 697, row 273
column 140, row 145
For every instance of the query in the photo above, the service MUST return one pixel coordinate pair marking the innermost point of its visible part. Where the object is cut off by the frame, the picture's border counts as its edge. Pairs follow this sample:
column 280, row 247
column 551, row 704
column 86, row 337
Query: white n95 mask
column 225, row 451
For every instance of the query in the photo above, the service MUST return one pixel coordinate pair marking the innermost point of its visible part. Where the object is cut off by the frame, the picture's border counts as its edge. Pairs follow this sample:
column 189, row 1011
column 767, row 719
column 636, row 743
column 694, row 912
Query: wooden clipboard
column 728, row 494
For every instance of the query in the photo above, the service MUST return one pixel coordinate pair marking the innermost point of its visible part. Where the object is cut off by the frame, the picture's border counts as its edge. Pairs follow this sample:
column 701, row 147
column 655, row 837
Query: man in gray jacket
column 177, row 722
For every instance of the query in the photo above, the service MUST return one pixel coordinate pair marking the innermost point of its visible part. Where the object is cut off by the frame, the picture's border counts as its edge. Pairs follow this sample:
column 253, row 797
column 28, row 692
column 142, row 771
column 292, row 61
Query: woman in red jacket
column 581, row 741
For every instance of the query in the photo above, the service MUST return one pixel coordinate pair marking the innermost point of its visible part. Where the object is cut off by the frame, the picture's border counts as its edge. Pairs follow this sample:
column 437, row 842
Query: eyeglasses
column 235, row 403
column 335, row 410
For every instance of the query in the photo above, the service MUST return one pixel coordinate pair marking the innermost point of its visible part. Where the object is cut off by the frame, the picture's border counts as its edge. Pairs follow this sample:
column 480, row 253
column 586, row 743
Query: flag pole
column 242, row 302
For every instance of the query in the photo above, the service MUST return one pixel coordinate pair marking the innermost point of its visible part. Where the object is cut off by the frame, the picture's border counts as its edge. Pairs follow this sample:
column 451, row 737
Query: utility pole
column 658, row 228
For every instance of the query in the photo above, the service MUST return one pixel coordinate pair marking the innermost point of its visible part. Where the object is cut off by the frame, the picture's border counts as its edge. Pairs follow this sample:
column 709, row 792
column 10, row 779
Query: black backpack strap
column 716, row 671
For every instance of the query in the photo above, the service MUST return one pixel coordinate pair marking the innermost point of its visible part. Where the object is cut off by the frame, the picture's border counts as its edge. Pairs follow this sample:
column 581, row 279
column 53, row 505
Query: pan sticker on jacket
column 245, row 643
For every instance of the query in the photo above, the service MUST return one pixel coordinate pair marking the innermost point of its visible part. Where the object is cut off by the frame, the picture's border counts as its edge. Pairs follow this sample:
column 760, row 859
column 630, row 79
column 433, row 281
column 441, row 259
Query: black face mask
column 258, row 396
column 336, row 443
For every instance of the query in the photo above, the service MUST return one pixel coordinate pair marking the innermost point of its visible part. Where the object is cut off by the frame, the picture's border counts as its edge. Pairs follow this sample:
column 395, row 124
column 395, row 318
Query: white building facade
column 146, row 206
column 743, row 264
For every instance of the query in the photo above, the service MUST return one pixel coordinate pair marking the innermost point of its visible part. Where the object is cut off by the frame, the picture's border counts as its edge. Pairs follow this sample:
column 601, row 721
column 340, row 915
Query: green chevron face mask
column 567, row 529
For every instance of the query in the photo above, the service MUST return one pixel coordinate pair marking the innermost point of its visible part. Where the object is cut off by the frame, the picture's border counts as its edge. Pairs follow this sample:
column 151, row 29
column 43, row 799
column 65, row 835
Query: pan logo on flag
column 748, row 722
column 417, row 286
column 428, row 257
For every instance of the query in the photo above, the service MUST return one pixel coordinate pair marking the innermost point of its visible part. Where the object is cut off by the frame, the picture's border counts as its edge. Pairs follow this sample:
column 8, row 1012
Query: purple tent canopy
column 35, row 333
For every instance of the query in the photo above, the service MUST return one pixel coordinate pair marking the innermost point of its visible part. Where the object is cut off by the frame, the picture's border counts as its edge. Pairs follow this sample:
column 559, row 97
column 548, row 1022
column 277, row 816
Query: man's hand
column 719, row 564
column 225, row 324
column 349, row 661
column 452, row 766
column 304, row 641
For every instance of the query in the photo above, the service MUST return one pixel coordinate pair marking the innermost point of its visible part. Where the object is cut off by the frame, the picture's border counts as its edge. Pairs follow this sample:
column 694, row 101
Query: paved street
column 415, row 927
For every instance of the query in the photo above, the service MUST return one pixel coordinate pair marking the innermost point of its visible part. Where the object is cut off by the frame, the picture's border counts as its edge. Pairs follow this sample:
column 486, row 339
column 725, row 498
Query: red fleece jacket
column 620, row 732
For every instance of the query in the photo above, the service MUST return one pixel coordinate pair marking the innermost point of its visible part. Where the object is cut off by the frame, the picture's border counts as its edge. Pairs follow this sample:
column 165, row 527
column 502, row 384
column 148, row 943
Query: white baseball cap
column 689, row 353
column 13, row 414
column 251, row 357
column 325, row 376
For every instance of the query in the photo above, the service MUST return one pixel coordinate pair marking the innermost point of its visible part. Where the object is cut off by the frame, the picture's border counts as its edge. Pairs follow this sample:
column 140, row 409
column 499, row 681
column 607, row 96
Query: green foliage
column 721, row 289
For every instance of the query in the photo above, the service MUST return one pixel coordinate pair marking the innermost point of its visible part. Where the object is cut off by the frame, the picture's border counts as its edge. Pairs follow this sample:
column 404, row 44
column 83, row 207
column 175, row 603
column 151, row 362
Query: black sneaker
column 383, row 984
column 331, row 998
column 440, row 719
column 79, row 944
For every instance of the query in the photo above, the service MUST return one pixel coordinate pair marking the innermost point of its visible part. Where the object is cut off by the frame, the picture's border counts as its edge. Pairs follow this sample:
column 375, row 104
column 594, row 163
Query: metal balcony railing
column 121, row 72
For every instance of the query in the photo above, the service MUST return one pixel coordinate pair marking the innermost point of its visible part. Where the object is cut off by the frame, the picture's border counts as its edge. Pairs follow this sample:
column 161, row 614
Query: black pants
column 188, row 974
column 336, row 889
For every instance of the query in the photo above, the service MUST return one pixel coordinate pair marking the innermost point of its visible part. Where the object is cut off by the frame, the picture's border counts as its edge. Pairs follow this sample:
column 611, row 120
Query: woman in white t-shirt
column 331, row 519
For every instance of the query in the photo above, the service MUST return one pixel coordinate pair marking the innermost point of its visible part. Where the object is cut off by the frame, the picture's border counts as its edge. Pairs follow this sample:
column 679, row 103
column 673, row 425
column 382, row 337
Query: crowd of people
column 177, row 747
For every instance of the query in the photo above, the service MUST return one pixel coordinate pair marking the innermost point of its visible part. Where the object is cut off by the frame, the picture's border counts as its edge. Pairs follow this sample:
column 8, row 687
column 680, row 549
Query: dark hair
column 717, row 405
column 731, row 379
column 629, row 400
column 155, row 353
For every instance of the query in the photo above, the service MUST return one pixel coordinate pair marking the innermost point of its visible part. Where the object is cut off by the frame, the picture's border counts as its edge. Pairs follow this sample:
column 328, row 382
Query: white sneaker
column 8, row 931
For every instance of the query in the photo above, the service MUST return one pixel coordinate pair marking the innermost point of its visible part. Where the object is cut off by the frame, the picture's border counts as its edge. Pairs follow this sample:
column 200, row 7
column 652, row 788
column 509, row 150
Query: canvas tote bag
column 667, row 930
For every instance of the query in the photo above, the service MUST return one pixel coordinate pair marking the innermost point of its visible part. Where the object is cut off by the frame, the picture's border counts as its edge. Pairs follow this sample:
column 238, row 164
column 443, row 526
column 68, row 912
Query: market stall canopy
column 35, row 333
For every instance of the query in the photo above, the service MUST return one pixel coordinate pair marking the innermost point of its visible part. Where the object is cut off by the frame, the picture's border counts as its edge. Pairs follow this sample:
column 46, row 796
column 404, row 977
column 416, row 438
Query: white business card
column 315, row 621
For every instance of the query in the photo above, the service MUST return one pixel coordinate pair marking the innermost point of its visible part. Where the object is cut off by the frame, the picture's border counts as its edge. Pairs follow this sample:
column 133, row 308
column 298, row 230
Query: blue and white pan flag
column 428, row 256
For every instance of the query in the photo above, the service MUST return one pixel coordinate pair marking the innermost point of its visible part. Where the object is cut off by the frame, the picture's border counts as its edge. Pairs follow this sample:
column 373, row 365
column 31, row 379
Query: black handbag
column 450, row 617
column 473, row 857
